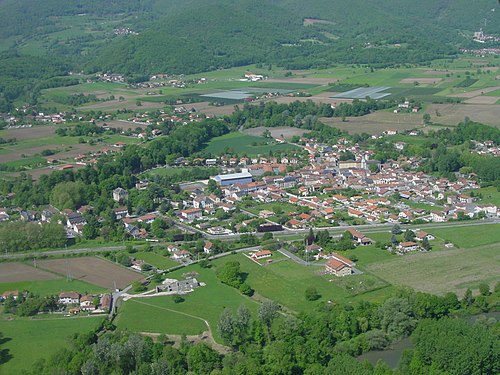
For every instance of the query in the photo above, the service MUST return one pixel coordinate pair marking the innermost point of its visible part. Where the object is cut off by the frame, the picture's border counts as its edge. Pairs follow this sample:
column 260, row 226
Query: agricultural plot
column 470, row 237
column 30, row 340
column 156, row 260
column 377, row 92
column 245, row 144
column 92, row 270
column 14, row 272
column 442, row 271
column 282, row 131
column 51, row 287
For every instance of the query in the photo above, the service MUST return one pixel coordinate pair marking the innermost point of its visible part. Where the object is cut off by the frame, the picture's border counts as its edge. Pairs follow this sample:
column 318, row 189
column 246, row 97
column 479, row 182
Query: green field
column 51, row 287
column 161, row 314
column 443, row 271
column 242, row 144
column 489, row 195
column 30, row 340
column 470, row 237
column 156, row 260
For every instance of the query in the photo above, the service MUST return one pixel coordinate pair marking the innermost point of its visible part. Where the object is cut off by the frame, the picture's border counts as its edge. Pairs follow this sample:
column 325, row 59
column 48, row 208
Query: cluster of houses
column 486, row 148
column 95, row 304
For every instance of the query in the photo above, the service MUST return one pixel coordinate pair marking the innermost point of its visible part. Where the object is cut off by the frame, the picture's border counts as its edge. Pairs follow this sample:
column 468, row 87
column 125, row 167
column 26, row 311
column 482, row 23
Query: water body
column 393, row 355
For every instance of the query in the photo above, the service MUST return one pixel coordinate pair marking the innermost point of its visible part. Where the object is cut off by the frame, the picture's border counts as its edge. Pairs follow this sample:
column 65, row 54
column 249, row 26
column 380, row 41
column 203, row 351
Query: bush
column 312, row 294
column 177, row 298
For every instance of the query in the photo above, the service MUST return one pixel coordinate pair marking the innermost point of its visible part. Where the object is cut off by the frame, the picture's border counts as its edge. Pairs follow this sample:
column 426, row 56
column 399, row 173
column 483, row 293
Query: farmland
column 30, row 340
column 243, row 144
column 156, row 260
column 52, row 287
column 15, row 272
column 161, row 314
column 92, row 270
column 469, row 237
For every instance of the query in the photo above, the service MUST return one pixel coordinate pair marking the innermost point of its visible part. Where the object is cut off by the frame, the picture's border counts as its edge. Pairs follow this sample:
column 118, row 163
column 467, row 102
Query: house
column 69, row 298
column 120, row 212
column 208, row 247
column 87, row 303
column 172, row 248
column 261, row 254
column 313, row 248
column 105, row 302
column 182, row 254
column 405, row 247
column 339, row 268
column 120, row 195
column 359, row 237
column 420, row 236
column 191, row 214
column 12, row 293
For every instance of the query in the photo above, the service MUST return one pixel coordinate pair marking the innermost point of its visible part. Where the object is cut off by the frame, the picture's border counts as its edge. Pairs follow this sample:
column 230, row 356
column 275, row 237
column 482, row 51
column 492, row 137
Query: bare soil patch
column 93, row 270
column 472, row 94
column 15, row 272
column 34, row 132
column 452, row 114
column 482, row 100
column 203, row 107
column 376, row 123
column 422, row 80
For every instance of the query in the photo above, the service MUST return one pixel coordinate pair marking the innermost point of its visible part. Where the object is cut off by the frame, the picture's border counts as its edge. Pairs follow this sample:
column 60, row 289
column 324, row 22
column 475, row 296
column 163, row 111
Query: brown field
column 213, row 110
column 15, row 272
column 286, row 131
column 93, row 270
column 421, row 80
column 376, row 123
column 312, row 21
column 473, row 94
column 310, row 80
column 37, row 173
column 452, row 114
column 34, row 132
column 482, row 100
column 436, row 72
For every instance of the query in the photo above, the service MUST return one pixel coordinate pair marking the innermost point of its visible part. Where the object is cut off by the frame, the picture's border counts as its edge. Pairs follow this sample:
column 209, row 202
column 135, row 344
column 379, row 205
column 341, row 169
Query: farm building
column 234, row 178
column 405, row 247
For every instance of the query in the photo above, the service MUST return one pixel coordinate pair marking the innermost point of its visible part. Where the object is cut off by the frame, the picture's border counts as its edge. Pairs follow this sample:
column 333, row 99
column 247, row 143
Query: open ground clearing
column 482, row 100
column 92, row 270
column 376, row 123
column 422, row 80
column 14, row 272
column 30, row 340
column 452, row 114
column 162, row 315
column 282, row 131
column 51, row 287
column 244, row 144
column 442, row 271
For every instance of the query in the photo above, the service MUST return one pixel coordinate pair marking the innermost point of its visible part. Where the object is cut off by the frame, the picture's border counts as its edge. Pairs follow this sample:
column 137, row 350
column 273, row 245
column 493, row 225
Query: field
column 243, row 144
column 470, row 237
column 14, row 272
column 162, row 315
column 156, row 260
column 51, row 287
column 30, row 340
column 92, row 270
column 442, row 271
column 489, row 195
column 282, row 131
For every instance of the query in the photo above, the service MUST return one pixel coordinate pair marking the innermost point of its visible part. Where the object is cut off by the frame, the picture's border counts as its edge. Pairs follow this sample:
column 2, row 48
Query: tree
column 139, row 287
column 396, row 229
column 312, row 294
column 409, row 235
column 177, row 298
column 226, row 326
column 468, row 299
column 426, row 245
column 202, row 359
column 268, row 311
column 426, row 118
column 484, row 289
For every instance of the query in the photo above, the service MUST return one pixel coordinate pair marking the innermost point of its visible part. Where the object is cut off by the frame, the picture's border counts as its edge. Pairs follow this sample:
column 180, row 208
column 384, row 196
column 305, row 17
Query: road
column 335, row 231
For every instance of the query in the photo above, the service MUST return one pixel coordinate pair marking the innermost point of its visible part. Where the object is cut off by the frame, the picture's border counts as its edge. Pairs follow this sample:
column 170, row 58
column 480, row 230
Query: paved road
column 335, row 231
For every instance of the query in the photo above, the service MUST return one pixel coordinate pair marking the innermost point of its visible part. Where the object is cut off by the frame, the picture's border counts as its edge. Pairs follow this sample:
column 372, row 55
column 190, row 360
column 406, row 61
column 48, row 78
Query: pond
column 392, row 356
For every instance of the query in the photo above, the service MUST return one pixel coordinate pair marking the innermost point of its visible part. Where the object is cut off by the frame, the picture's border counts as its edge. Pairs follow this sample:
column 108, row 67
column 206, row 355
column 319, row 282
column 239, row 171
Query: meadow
column 242, row 144
column 156, row 260
column 470, row 237
column 163, row 315
column 28, row 341
column 52, row 287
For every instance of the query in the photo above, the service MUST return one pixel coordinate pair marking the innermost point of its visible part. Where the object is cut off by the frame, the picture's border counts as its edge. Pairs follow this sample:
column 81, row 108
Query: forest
column 324, row 340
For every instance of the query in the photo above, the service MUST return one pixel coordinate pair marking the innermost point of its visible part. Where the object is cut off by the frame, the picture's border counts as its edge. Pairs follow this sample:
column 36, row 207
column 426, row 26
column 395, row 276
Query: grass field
column 156, row 260
column 51, row 287
column 30, row 340
column 470, row 237
column 161, row 314
column 442, row 271
column 242, row 144
column 489, row 195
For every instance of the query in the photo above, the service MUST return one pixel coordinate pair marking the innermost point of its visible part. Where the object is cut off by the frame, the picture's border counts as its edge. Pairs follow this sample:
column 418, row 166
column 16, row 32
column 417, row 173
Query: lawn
column 470, row 237
column 161, row 314
column 286, row 282
column 51, row 287
column 442, row 271
column 30, row 340
column 156, row 260
column 242, row 144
